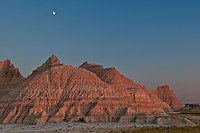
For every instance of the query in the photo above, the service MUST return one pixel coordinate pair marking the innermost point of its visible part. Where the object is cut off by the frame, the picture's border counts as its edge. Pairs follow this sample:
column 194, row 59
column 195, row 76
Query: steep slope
column 55, row 92
column 65, row 93
column 110, row 75
column 10, row 77
column 168, row 96
column 61, row 88
column 156, row 100
column 113, row 77
column 52, row 61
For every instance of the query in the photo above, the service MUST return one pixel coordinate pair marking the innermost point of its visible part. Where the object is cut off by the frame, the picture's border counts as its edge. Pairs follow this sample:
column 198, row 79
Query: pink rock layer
column 57, row 92
column 168, row 96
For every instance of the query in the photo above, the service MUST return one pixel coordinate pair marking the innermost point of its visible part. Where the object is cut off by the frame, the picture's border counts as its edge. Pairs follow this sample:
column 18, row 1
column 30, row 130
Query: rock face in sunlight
column 53, row 61
column 110, row 75
column 168, row 96
column 56, row 92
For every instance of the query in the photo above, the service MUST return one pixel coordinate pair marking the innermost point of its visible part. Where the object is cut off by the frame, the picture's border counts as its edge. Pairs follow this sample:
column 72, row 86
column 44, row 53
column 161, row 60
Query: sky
column 151, row 42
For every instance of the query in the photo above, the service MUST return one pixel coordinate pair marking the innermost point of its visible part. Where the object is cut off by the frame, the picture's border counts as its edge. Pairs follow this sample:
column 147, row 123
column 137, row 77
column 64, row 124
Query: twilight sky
column 152, row 42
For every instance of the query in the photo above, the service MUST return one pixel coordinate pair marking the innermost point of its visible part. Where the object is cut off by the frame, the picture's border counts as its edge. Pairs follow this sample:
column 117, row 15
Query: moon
column 54, row 13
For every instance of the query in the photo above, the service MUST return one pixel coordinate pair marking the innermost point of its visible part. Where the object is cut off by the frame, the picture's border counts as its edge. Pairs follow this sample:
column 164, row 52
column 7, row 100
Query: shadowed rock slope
column 57, row 92
column 10, row 77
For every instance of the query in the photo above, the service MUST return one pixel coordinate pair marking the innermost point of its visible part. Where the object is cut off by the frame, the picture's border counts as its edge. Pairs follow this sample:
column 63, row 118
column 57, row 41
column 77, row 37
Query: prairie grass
column 187, row 112
column 172, row 129
column 191, row 112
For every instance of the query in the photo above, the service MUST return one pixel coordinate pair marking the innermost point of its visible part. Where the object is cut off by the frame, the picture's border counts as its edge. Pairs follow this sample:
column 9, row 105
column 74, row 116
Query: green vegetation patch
column 172, row 129
column 187, row 112
column 193, row 112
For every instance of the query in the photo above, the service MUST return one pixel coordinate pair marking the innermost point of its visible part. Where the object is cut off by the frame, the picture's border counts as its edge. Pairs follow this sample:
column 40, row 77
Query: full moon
column 54, row 13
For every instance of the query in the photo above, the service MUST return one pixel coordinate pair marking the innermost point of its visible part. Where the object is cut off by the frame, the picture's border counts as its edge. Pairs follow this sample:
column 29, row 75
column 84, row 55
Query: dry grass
column 191, row 112
column 172, row 129
column 187, row 112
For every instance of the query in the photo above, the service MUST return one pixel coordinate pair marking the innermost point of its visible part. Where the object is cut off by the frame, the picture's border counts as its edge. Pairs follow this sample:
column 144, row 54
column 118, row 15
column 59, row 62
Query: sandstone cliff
column 168, row 96
column 155, row 99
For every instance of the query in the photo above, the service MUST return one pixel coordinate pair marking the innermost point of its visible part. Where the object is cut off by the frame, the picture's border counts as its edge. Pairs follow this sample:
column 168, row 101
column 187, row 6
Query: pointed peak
column 7, row 68
column 84, row 64
column 7, row 60
column 53, row 56
column 6, row 64
column 167, row 85
column 144, row 87
column 52, row 61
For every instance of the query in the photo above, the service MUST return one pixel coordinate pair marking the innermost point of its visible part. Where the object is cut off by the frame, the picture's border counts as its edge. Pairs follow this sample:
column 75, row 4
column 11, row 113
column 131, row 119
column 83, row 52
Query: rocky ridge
column 56, row 92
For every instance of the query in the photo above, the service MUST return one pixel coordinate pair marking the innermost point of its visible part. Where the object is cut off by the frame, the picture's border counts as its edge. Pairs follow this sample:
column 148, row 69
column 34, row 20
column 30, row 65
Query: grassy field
column 191, row 112
column 187, row 112
column 172, row 129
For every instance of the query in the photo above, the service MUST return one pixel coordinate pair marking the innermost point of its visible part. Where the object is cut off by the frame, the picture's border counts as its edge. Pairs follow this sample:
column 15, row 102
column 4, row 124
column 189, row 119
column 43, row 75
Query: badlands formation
column 56, row 92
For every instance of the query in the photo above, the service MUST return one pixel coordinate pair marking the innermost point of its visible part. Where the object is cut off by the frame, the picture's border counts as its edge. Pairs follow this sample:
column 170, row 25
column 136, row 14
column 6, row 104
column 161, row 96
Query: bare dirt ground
column 73, row 127
column 70, row 127
column 80, row 127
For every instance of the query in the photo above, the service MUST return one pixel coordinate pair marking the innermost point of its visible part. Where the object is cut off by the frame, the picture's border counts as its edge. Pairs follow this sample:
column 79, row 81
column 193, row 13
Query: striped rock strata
column 56, row 92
